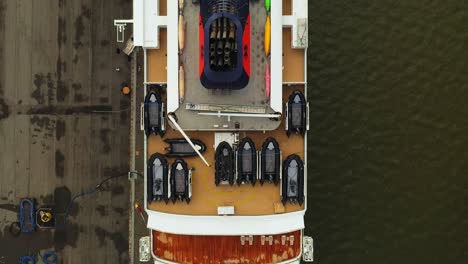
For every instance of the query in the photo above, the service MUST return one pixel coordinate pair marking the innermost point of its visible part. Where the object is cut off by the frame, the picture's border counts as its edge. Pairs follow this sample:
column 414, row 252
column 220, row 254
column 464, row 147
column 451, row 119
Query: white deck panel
column 276, row 88
column 172, row 56
column 147, row 22
column 225, row 225
column 298, row 22
column 138, row 22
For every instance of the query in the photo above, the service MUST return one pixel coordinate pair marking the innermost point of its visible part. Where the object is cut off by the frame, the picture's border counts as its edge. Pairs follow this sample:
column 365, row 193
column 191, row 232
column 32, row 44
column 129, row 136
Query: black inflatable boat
column 246, row 162
column 224, row 164
column 157, row 178
column 297, row 114
column 153, row 114
column 179, row 147
column 180, row 181
column 293, row 180
column 270, row 162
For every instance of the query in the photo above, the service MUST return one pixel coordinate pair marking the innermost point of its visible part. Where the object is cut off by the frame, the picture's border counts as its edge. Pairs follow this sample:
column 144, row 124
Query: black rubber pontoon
column 246, row 162
column 297, row 114
column 270, row 162
column 293, row 180
column 179, row 147
column 157, row 178
column 153, row 114
column 224, row 164
column 180, row 182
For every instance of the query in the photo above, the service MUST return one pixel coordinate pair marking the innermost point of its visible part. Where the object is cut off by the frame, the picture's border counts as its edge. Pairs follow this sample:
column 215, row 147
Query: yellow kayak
column 267, row 36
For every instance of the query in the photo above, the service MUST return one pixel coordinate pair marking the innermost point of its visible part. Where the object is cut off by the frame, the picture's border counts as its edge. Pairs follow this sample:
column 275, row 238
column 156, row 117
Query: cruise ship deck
column 253, row 223
column 247, row 200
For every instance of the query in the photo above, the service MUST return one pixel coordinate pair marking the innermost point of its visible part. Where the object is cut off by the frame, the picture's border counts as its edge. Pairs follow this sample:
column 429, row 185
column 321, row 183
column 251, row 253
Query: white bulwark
column 146, row 23
column 172, row 56
column 276, row 79
column 225, row 225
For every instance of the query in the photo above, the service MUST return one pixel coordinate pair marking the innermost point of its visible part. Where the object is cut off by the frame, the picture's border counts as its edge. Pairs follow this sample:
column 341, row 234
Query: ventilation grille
column 223, row 6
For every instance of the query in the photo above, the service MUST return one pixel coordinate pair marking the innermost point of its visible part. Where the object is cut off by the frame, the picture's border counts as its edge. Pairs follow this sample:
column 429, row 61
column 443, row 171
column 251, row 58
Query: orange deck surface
column 206, row 196
column 157, row 60
column 293, row 60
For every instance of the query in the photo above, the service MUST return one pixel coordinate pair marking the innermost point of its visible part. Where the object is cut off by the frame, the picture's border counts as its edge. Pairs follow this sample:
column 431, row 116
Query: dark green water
column 388, row 145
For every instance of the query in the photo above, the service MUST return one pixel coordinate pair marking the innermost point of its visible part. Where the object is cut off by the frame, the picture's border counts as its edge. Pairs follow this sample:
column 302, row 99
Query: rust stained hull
column 223, row 249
